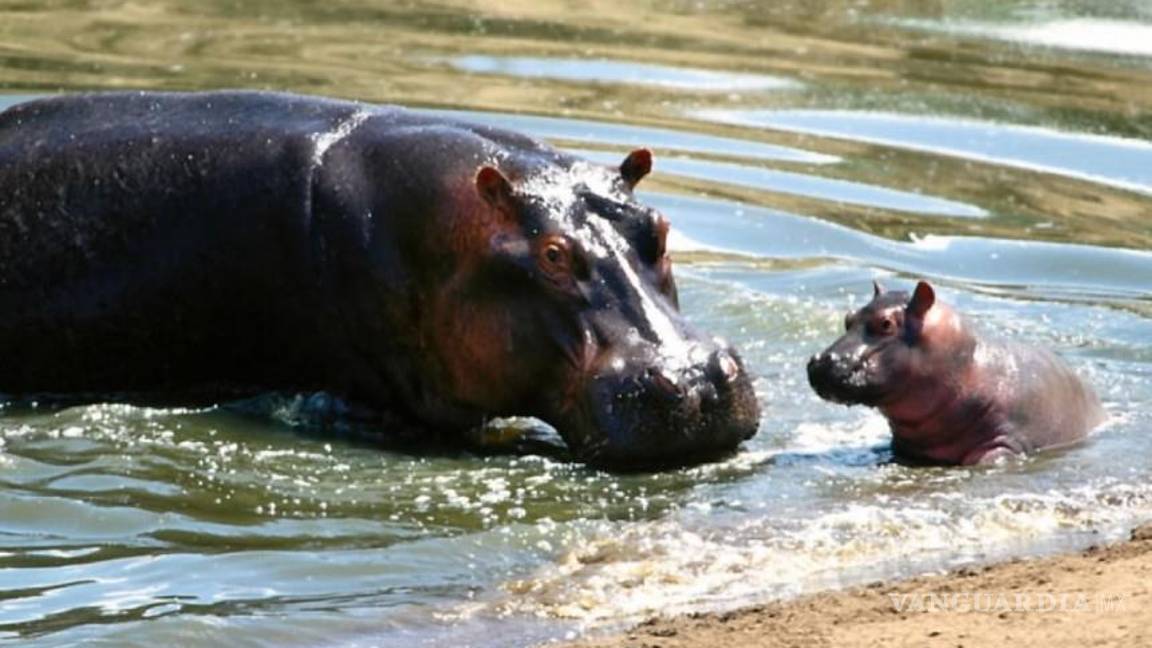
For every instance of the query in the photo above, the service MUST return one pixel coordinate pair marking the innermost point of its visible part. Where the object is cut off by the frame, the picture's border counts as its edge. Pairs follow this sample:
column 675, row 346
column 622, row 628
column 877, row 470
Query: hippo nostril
column 729, row 368
column 663, row 385
column 823, row 361
column 723, row 368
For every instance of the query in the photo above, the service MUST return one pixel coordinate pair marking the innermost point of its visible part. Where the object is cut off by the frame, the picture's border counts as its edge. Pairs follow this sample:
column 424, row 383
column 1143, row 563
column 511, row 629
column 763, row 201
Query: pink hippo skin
column 950, row 396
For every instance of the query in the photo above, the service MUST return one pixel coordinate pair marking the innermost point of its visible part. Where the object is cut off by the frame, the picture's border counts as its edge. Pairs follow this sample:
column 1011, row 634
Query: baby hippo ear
column 634, row 167
column 922, row 299
column 494, row 188
column 877, row 289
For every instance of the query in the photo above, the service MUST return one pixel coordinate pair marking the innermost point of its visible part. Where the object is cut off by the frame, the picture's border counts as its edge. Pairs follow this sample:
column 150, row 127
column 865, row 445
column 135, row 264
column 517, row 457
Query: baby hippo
column 951, row 396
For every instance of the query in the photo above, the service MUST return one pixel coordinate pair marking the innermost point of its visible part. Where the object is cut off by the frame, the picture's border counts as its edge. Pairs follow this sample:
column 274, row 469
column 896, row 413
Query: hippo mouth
column 656, row 419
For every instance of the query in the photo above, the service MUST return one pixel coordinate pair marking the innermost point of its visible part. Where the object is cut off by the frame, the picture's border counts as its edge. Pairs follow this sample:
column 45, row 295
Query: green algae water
column 1002, row 150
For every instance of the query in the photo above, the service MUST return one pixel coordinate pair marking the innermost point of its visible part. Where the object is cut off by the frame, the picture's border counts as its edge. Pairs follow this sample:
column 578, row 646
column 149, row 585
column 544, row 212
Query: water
column 1000, row 149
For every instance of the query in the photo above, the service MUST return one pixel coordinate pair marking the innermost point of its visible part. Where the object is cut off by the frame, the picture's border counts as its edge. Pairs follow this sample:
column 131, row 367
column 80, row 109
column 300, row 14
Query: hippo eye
column 887, row 326
column 555, row 257
column 554, row 254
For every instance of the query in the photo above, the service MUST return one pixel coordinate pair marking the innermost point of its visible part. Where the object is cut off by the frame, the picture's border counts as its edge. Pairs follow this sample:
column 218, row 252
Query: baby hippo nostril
column 820, row 362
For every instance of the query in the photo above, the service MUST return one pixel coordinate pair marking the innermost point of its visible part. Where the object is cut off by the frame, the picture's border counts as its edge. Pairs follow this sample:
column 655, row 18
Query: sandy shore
column 1100, row 597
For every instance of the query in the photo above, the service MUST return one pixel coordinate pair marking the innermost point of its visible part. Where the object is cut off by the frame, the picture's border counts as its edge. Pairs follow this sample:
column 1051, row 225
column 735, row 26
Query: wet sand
column 1099, row 597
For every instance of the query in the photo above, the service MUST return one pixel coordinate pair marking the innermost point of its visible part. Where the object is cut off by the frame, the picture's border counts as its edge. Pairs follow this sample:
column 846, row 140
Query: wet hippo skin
column 950, row 395
column 214, row 245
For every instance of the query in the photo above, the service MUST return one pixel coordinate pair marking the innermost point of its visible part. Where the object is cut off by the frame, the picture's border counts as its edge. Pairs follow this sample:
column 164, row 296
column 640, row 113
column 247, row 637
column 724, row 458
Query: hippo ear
column 634, row 167
column 494, row 187
column 922, row 299
column 877, row 289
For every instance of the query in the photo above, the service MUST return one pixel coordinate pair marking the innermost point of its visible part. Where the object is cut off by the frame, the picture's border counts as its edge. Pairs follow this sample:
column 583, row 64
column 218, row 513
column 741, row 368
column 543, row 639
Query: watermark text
column 989, row 602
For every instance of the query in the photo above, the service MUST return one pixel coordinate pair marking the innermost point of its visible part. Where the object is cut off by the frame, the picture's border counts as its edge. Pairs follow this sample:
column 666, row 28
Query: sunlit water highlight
column 1082, row 34
column 1121, row 162
column 623, row 72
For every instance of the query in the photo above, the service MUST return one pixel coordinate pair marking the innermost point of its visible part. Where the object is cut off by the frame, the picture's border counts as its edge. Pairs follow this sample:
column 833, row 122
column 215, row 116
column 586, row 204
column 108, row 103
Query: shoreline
column 1101, row 596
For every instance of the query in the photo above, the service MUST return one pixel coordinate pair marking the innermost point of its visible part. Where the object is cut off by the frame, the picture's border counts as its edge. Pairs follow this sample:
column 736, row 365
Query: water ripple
column 1115, row 161
column 621, row 72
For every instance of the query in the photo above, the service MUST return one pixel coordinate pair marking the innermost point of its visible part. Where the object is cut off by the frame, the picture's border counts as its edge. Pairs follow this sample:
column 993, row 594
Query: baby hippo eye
column 887, row 326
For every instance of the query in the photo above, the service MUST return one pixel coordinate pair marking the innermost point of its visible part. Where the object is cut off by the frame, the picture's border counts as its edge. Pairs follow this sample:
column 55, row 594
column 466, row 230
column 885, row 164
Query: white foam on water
column 665, row 567
column 871, row 430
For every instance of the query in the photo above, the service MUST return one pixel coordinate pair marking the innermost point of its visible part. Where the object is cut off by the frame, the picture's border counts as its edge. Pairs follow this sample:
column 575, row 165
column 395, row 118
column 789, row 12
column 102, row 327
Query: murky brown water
column 999, row 148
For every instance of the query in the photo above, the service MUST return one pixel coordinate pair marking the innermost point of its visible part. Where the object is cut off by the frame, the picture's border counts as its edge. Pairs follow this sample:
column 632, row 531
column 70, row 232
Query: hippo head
column 894, row 349
column 573, row 318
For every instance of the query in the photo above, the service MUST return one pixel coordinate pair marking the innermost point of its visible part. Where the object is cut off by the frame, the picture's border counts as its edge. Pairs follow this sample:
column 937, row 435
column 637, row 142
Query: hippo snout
column 656, row 415
column 719, row 375
column 830, row 374
column 845, row 377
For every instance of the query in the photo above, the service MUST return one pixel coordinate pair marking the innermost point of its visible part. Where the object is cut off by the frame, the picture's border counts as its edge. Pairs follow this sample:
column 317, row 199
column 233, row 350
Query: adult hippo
column 950, row 395
column 209, row 246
